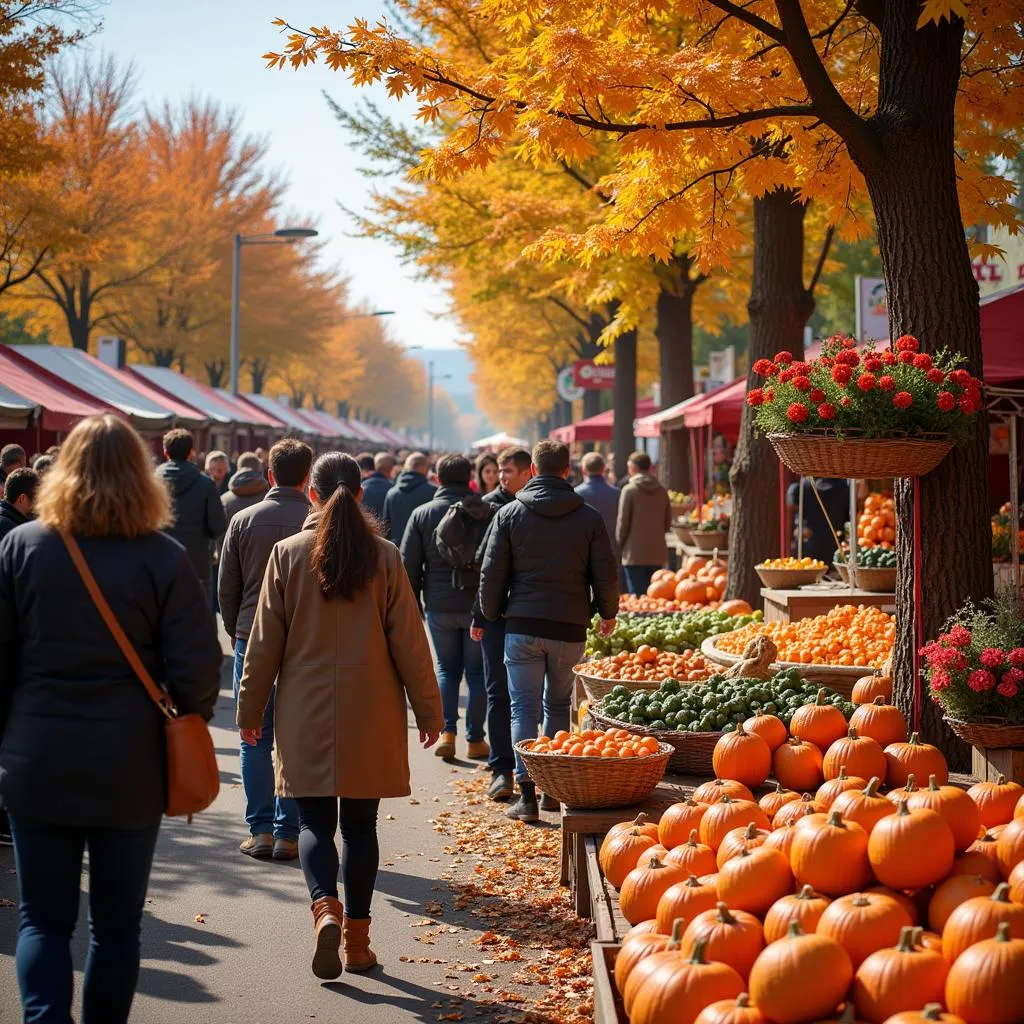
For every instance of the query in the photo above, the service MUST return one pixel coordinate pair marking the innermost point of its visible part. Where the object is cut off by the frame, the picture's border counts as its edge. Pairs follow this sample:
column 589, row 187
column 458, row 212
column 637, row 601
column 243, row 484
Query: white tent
column 499, row 441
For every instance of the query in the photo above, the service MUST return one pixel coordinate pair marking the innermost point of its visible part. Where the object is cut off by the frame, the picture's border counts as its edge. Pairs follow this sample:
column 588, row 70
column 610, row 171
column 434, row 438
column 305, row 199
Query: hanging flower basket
column 993, row 734
column 826, row 455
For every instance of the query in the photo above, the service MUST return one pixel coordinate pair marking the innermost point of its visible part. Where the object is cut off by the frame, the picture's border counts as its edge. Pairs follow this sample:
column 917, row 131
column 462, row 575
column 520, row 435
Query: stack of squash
column 700, row 582
column 826, row 900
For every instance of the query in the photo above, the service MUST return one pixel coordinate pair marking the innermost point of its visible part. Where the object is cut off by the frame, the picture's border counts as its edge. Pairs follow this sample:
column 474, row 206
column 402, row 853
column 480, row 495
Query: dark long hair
column 344, row 558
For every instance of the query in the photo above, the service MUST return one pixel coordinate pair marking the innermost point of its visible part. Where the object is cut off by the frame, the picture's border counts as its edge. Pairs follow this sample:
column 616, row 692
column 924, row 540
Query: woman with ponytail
column 339, row 629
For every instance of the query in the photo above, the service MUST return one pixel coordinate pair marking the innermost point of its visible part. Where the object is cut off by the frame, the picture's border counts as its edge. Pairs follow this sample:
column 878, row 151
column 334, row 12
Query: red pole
column 782, row 510
column 918, row 601
column 700, row 488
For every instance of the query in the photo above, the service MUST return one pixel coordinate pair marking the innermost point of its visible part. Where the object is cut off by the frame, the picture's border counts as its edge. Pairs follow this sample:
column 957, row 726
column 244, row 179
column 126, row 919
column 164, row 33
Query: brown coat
column 343, row 670
column 645, row 516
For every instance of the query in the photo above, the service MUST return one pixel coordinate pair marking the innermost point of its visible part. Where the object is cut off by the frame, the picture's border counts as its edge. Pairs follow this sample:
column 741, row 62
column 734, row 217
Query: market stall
column 599, row 427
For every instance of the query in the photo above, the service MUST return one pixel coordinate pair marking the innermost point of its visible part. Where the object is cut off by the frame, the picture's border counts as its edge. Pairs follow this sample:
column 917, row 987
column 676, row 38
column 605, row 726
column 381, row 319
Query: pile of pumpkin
column 793, row 908
column 700, row 582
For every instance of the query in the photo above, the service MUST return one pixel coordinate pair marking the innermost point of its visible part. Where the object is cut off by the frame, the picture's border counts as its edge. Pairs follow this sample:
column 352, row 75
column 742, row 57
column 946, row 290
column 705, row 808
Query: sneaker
column 478, row 750
column 445, row 748
column 549, row 803
column 285, row 849
column 501, row 787
column 260, row 846
column 6, row 839
column 523, row 810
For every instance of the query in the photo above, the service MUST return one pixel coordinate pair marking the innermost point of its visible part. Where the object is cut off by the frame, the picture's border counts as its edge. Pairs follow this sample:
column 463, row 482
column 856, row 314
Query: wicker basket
column 843, row 570
column 597, row 687
column 787, row 579
column 682, row 532
column 878, row 581
column 989, row 733
column 595, row 781
column 692, row 750
column 708, row 540
column 860, row 458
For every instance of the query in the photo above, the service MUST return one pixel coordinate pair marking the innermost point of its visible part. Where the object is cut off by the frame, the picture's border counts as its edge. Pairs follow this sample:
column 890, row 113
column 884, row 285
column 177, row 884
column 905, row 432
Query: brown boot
column 358, row 955
column 328, row 914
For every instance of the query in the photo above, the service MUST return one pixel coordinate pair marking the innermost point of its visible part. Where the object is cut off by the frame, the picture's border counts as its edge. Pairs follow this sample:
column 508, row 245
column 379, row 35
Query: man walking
column 12, row 457
column 273, row 822
column 198, row 514
column 412, row 490
column 514, row 472
column 19, row 497
column 216, row 467
column 448, row 593
column 548, row 567
column 246, row 487
column 645, row 516
column 377, row 482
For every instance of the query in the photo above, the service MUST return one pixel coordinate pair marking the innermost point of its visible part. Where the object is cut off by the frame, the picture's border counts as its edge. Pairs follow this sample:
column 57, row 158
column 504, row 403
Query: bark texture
column 624, row 398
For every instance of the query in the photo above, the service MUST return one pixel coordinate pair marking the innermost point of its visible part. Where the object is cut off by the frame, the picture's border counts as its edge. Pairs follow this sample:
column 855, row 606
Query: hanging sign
column 567, row 390
column 588, row 375
column 872, row 309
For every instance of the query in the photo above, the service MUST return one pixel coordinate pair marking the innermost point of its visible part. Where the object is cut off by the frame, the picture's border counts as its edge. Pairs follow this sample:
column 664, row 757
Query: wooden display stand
column 988, row 765
column 806, row 602
column 608, row 1008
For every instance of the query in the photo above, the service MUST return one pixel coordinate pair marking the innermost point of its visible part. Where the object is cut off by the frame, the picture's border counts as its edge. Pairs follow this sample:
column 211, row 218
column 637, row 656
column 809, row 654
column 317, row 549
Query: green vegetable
column 671, row 632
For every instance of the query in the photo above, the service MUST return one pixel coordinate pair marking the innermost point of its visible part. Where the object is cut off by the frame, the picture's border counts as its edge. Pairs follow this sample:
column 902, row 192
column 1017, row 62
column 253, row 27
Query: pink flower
column 902, row 399
column 935, row 375
column 923, row 361
column 945, row 401
column 940, row 679
column 959, row 636
column 817, row 395
column 783, row 357
column 765, row 368
column 802, row 383
column 866, row 381
column 1006, row 688
column 797, row 412
column 755, row 396
column 907, row 343
column 827, row 411
column 992, row 657
column 1016, row 657
column 886, row 382
column 841, row 374
column 981, row 680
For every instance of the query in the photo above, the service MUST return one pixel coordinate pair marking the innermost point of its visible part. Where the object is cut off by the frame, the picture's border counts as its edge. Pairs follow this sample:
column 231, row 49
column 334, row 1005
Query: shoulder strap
column 160, row 697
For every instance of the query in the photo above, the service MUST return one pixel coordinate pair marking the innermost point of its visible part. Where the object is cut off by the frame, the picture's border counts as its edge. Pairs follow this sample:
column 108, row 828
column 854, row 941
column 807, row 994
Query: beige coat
column 343, row 670
column 645, row 516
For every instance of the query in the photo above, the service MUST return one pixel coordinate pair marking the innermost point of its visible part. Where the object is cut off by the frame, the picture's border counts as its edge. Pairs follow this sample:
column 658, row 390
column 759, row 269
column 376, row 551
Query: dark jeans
column 499, row 706
column 638, row 577
column 49, row 864
column 318, row 853
column 456, row 655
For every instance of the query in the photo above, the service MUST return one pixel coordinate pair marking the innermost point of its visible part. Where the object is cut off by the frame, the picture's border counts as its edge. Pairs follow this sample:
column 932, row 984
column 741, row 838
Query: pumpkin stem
column 699, row 945
column 911, row 784
column 740, row 730
column 932, row 784
column 778, row 789
column 847, row 1017
column 794, row 931
column 795, row 741
column 806, row 893
column 842, row 776
column 915, row 739
column 836, row 819
column 692, row 882
column 742, row 1001
column 851, row 733
column 860, row 900
column 1001, row 781
column 906, row 940
column 726, row 799
column 879, row 701
column 871, row 789
column 654, row 863
column 1002, row 893
column 820, row 699
column 724, row 914
column 933, row 1011
column 1003, row 932
column 902, row 810
column 676, row 939
column 751, row 832
column 640, row 819
column 693, row 838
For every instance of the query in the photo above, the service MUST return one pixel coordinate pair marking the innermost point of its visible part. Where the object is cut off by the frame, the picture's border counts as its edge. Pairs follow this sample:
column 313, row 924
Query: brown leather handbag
column 193, row 779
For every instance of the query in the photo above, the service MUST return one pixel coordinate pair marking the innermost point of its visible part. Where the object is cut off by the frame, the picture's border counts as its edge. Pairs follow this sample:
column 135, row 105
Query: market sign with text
column 587, row 374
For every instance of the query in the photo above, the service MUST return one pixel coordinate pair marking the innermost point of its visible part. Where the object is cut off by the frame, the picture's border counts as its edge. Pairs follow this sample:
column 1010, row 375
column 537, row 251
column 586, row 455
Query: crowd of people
column 329, row 574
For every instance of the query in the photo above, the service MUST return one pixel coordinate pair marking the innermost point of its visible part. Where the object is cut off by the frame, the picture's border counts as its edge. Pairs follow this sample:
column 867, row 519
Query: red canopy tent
column 1002, row 335
column 599, row 427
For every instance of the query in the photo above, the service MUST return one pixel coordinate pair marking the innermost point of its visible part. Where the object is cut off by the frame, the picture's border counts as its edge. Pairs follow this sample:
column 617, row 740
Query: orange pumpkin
column 862, row 923
column 828, row 791
column 754, row 880
column 805, row 907
column 795, row 811
column 898, row 978
column 911, row 849
column 864, row 806
column 901, row 898
column 732, row 936
column 931, row 1014
column 861, row 756
column 773, row 802
column 958, row 810
column 1016, row 883
column 679, row 820
column 636, row 946
column 997, row 801
column 951, row 893
column 1010, row 846
column 882, row 722
column 819, row 723
column 693, row 856
column 797, row 764
column 694, row 564
column 914, row 756
column 691, row 592
column 735, row 606
column 640, row 822
column 619, row 853
column 731, row 1011
column 648, row 927
column 664, row 589
column 684, row 900
column 642, row 888
column 769, row 727
column 977, row 919
column 738, row 840
column 728, row 814
column 984, row 984
column 867, row 688
column 831, row 854
column 714, row 790
column 981, row 858
column 742, row 756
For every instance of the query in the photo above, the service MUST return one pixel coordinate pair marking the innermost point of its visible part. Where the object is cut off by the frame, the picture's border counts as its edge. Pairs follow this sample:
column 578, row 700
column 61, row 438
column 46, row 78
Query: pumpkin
column 867, row 688
column 664, row 589
column 914, row 756
column 800, row 977
column 795, row 810
column 911, row 849
column 620, row 852
column 951, row 893
column 1010, row 846
column 680, row 987
column 754, row 880
column 691, row 592
column 639, row 822
column 693, row 856
column 863, row 922
column 931, row 1014
column 648, row 927
column 981, row 858
column 731, row 1011
column 679, row 820
column 898, row 978
column 986, row 982
column 958, row 810
column 743, row 756
column 781, row 839
column 976, row 919
column 693, row 565
column 905, row 791
column 684, row 900
column 1018, row 811
column 1016, row 883
column 880, row 720
column 831, row 854
column 657, row 850
column 642, row 888
column 864, row 806
column 769, row 727
column 712, row 792
column 848, row 1016
column 819, row 723
column 928, row 940
column 727, row 814
column 861, row 756
column 997, row 800
column 636, row 946
column 737, row 606
column 644, row 967
column 773, row 802
column 901, row 898
column 805, row 907
column 828, row 791
column 732, row 936
column 739, row 839
column 797, row 764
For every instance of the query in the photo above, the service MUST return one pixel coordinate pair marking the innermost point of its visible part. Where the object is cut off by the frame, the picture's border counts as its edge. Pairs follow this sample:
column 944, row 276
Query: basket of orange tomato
column 609, row 768
column 645, row 669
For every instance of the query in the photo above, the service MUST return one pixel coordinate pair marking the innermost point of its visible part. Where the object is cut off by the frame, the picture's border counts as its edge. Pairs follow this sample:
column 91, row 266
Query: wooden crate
column 988, row 765
column 608, row 1008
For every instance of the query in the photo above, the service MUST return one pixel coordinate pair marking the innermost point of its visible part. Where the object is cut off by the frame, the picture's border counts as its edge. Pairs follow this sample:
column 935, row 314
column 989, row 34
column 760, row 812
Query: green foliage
column 14, row 330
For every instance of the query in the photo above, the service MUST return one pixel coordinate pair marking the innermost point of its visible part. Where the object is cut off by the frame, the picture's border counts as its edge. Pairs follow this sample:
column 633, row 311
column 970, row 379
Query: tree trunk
column 258, row 370
column 624, row 399
column 77, row 309
column 162, row 356
column 216, row 371
column 779, row 309
column 933, row 295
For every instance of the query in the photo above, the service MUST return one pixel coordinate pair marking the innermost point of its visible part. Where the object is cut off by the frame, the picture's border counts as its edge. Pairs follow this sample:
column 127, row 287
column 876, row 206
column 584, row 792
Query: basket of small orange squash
column 700, row 581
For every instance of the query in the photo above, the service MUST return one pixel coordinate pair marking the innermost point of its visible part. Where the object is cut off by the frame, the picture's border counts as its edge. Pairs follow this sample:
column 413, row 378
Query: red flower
column 802, row 383
column 888, row 358
column 827, row 411
column 755, row 396
column 923, row 361
column 940, row 679
column 824, row 361
column 817, row 395
column 981, row 680
column 967, row 407
column 1007, row 688
column 765, row 368
column 935, row 375
column 797, row 412
column 783, row 357
column 786, row 375
column 1013, row 675
column 849, row 342
column 886, row 382
column 973, row 395
column 959, row 636
column 906, row 357
column 845, row 402
column 907, row 343
column 945, row 401
column 1016, row 657
column 849, row 358
column 800, row 367
column 872, row 364
column 841, row 374
column 902, row 399
column 961, row 377
column 769, row 396
column 866, row 381
column 992, row 657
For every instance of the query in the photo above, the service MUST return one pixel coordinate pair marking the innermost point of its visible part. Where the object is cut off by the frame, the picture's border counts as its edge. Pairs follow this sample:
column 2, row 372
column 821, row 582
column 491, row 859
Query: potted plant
column 858, row 412
column 975, row 672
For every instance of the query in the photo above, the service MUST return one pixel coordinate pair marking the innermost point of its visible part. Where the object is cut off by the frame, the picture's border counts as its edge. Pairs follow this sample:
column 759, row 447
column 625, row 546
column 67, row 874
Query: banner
column 588, row 375
column 565, row 387
column 872, row 309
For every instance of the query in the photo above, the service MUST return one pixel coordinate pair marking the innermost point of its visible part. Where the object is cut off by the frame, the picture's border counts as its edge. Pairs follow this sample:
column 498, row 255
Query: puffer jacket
column 645, row 516
column 549, row 564
column 247, row 487
column 198, row 514
column 411, row 491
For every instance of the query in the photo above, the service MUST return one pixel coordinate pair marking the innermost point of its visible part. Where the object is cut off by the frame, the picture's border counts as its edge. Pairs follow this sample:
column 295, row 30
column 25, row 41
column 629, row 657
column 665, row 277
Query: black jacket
column 81, row 743
column 199, row 517
column 429, row 574
column 10, row 517
column 499, row 497
column 411, row 491
column 375, row 490
column 549, row 564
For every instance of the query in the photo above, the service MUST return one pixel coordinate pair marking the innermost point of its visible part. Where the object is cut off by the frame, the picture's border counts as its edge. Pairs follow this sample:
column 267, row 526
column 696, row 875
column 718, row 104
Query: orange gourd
column 931, row 1014
column 636, row 946
column 982, row 850
column 736, row 606
column 773, row 802
column 738, row 840
column 643, row 888
column 732, row 936
column 977, row 919
column 731, row 1011
column 997, row 801
column 693, row 856
column 769, row 727
column 864, row 806
column 828, row 791
column 619, row 853
column 901, row 898
column 684, row 900
column 742, row 756
column 898, row 978
column 863, row 922
column 958, row 810
column 831, row 854
column 663, row 588
column 694, row 564
column 679, row 820
column 951, row 893
column 714, row 790
column 805, row 907
column 754, row 880
column 861, row 756
column 819, row 723
column 797, row 764
column 1016, row 883
column 911, row 849
column 881, row 721
column 795, row 811
column 648, row 927
column 639, row 822
column 691, row 592
column 984, row 985
column 867, row 688
column 728, row 814
column 1010, row 846
column 921, row 759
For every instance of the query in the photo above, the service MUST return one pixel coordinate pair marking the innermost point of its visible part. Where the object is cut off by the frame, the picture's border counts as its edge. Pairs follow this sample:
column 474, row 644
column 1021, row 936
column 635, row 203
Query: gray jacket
column 198, row 514
column 251, row 537
column 245, row 489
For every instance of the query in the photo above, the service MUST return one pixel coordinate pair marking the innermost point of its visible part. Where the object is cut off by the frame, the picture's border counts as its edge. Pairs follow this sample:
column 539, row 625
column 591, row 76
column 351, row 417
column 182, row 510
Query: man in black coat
column 412, row 490
column 377, row 481
column 198, row 514
column 549, row 566
column 19, row 497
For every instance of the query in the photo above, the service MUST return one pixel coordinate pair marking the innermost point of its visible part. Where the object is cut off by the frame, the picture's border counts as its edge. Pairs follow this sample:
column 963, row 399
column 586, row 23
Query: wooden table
column 817, row 599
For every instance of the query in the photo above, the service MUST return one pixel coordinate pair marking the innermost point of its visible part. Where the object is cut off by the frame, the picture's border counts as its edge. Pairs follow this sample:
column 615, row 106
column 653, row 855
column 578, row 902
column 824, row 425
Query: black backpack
column 458, row 538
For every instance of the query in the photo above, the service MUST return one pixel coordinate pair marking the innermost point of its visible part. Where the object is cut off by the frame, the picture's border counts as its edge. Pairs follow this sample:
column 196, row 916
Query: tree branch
column 822, row 256
column 565, row 307
column 742, row 14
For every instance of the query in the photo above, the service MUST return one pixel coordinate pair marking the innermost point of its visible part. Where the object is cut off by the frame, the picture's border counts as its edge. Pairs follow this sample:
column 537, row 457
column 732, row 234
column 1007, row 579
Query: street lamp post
column 430, row 401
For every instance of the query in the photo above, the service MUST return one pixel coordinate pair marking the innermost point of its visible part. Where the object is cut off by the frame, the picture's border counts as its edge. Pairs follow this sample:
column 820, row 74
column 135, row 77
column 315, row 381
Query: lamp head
column 296, row 233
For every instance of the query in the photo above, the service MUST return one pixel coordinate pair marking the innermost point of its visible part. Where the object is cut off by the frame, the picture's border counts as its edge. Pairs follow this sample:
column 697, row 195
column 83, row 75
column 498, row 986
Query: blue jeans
column 499, row 706
column 540, row 679
column 638, row 577
column 458, row 655
column 49, row 865
column 264, row 813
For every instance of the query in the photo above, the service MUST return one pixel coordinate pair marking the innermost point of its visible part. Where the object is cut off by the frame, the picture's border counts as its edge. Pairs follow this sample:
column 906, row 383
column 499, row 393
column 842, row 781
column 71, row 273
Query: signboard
column 110, row 350
column 872, row 309
column 565, row 387
column 588, row 375
column 721, row 367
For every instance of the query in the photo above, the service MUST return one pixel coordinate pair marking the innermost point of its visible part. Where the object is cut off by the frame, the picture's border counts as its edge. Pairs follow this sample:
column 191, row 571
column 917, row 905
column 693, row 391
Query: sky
column 212, row 48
